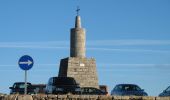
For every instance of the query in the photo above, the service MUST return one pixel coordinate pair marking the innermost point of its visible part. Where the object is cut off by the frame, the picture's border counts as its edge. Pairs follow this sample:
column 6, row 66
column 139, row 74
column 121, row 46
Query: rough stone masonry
column 77, row 65
column 77, row 97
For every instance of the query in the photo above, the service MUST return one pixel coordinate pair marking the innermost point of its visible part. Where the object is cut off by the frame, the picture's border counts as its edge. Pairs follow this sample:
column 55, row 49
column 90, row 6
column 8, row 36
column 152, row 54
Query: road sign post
column 25, row 63
column 25, row 90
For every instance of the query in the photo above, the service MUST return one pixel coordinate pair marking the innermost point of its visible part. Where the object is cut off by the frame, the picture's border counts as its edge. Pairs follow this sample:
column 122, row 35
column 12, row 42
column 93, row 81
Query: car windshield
column 127, row 88
column 20, row 85
column 64, row 81
column 168, row 89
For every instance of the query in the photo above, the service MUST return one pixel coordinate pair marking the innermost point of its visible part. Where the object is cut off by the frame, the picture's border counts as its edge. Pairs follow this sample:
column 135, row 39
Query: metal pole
column 25, row 90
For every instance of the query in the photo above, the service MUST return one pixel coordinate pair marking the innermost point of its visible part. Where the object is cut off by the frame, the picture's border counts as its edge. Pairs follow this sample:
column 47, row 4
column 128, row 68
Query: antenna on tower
column 78, row 9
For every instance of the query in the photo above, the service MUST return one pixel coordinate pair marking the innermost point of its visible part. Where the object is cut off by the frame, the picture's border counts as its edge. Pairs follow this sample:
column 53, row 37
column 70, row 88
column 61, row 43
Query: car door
column 49, row 86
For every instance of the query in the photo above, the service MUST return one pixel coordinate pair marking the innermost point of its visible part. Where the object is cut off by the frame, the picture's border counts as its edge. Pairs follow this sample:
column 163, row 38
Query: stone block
column 104, row 97
column 84, row 97
column 62, row 97
column 117, row 98
column 148, row 98
column 81, row 70
column 52, row 96
column 162, row 98
column 11, row 97
column 39, row 97
column 2, row 97
column 93, row 97
column 24, row 97
column 73, row 97
column 135, row 97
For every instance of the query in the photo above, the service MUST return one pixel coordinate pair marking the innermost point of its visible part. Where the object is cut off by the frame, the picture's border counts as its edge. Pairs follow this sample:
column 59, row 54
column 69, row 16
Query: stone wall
column 78, row 43
column 77, row 97
column 82, row 69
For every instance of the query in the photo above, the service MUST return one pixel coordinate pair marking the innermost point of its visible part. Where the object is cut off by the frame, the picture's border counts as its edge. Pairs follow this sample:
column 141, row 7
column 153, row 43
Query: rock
column 24, row 97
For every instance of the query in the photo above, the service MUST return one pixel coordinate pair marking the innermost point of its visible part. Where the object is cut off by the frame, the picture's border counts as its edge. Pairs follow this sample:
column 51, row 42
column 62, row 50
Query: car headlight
column 59, row 89
column 145, row 94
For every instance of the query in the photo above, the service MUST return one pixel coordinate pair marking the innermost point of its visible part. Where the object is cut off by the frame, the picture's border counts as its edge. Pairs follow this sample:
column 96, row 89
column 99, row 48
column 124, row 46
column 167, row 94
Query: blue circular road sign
column 25, row 62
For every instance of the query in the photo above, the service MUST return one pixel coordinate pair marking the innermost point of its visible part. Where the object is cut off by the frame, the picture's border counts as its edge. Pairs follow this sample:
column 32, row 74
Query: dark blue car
column 165, row 93
column 128, row 90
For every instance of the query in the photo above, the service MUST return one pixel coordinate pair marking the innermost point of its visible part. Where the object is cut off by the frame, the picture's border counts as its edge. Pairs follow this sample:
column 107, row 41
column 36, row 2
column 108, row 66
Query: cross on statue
column 78, row 9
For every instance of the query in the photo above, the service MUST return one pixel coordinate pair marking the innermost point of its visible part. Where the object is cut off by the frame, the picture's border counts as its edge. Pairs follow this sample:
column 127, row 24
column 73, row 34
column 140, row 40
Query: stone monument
column 77, row 65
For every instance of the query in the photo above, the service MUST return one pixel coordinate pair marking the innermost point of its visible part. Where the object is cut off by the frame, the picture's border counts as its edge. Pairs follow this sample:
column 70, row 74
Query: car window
column 88, row 90
column 91, row 90
column 15, row 86
column 118, row 88
column 84, row 90
column 64, row 81
column 127, row 88
column 20, row 85
column 131, row 88
column 137, row 88
column 168, row 89
column 50, row 81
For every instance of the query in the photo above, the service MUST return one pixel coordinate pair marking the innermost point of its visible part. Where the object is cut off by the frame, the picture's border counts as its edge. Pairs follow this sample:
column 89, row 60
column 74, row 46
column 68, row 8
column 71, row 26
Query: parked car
column 166, row 92
column 19, row 87
column 39, row 88
column 127, row 90
column 104, row 88
column 92, row 91
column 62, row 85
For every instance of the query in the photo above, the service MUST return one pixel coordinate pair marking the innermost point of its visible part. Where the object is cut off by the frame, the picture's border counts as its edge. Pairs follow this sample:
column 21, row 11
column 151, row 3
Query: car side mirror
column 10, row 87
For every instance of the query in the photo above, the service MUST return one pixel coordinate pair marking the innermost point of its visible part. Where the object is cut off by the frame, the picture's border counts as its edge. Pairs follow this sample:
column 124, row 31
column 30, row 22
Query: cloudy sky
column 130, row 40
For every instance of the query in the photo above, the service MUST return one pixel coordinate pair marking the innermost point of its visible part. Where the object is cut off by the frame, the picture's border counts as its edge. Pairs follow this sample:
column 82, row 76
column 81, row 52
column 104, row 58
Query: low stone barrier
column 78, row 97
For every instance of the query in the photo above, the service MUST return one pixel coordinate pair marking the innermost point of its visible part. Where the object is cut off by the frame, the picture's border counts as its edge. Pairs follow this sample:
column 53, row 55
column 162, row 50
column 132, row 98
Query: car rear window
column 127, row 88
column 64, row 81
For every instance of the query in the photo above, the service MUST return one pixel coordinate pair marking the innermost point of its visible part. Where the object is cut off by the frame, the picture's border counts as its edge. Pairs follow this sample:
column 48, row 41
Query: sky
column 130, row 40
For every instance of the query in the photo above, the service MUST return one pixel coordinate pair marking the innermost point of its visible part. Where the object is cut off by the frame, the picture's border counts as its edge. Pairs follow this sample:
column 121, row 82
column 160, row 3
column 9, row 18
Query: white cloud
column 8, row 65
column 132, row 65
column 97, row 45
column 14, row 65
column 112, row 66
column 127, row 42
column 41, row 67
column 33, row 47
column 89, row 43
column 129, row 50
column 36, row 45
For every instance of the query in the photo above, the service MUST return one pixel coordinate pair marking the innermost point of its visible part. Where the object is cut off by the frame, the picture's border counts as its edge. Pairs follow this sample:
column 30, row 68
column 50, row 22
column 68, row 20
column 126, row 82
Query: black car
column 92, row 91
column 62, row 85
column 127, row 90
column 19, row 88
column 166, row 92
column 39, row 88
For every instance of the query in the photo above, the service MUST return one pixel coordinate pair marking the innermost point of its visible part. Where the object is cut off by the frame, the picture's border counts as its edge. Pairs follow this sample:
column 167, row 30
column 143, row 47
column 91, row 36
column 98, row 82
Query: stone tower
column 77, row 40
column 82, row 69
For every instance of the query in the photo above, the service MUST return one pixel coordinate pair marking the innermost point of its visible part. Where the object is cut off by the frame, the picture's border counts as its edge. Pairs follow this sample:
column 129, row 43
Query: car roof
column 127, row 84
column 89, row 87
column 63, row 77
column 21, row 83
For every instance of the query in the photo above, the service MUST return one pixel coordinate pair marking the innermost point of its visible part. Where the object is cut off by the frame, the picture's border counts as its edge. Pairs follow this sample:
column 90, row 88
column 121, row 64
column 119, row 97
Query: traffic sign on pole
column 25, row 63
